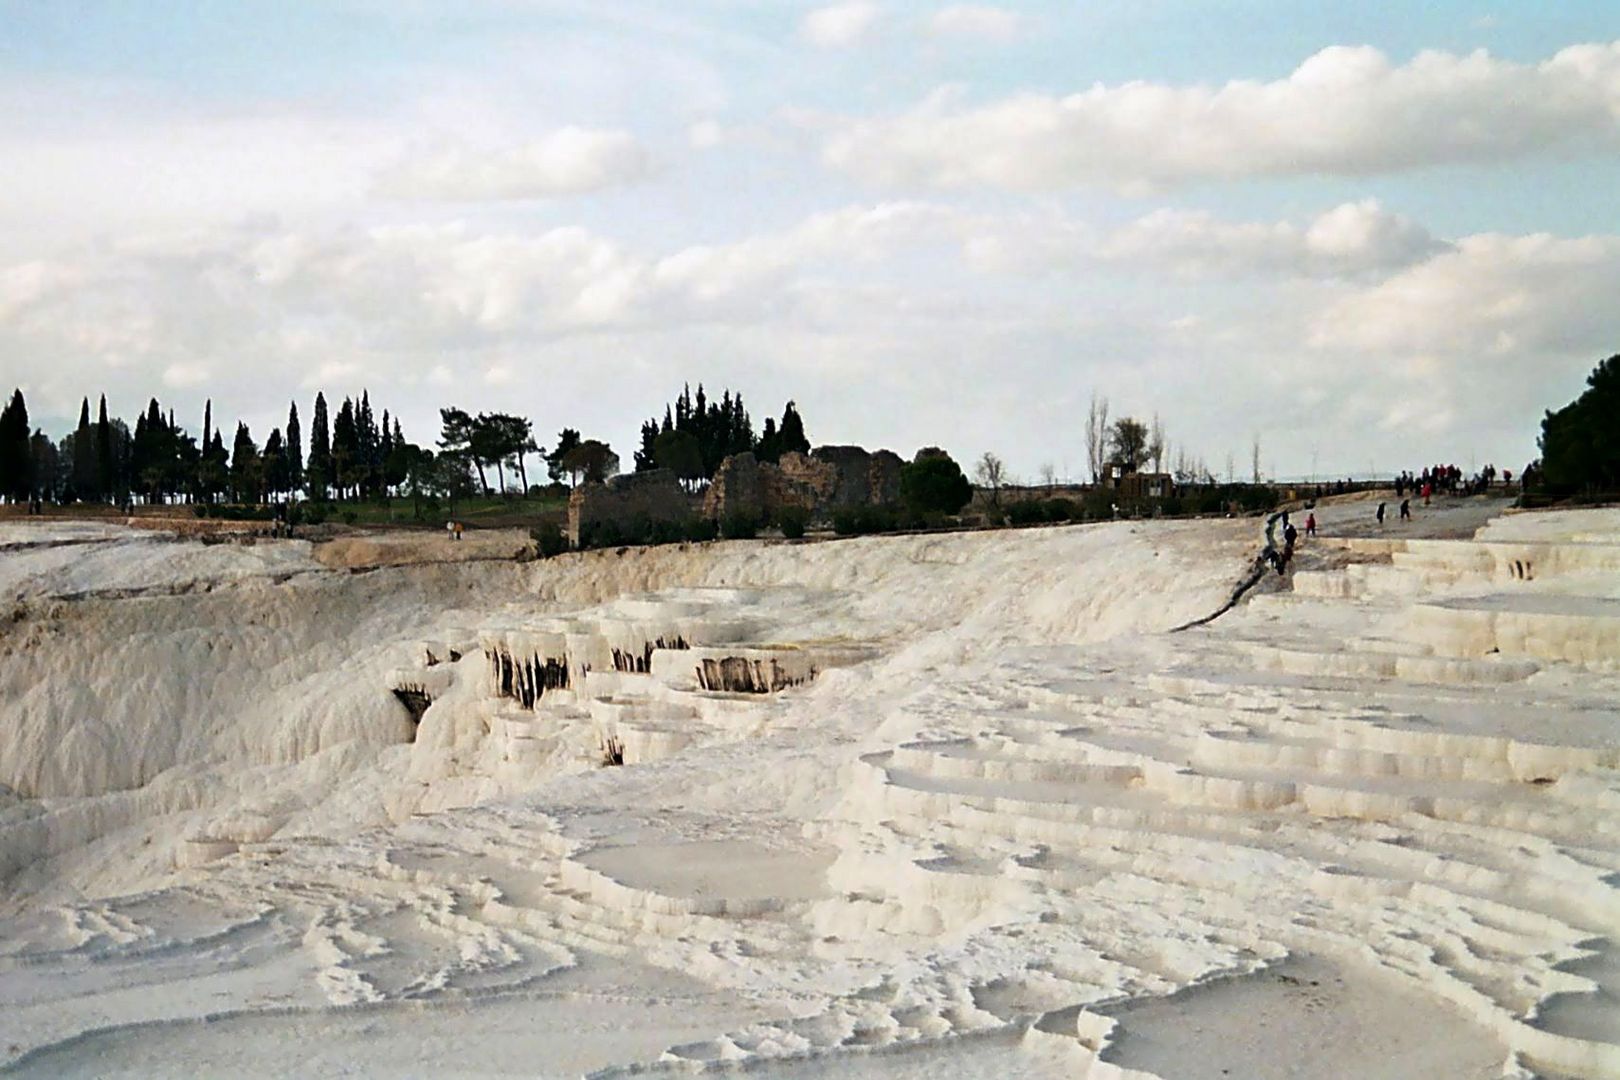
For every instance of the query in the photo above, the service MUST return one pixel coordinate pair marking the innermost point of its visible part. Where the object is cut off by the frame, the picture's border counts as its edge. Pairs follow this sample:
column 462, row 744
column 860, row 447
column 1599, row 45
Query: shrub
column 1026, row 512
column 739, row 527
column 600, row 534
column 1097, row 505
column 792, row 521
column 846, row 522
column 1062, row 510
column 994, row 517
column 700, row 530
column 548, row 539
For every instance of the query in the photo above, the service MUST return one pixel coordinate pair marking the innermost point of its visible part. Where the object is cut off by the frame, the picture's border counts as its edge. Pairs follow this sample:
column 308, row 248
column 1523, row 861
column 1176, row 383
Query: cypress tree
column 346, row 464
column 202, row 459
column 106, row 477
column 84, row 456
column 295, row 450
column 318, row 471
column 245, row 466
column 16, row 469
column 365, row 445
column 791, row 433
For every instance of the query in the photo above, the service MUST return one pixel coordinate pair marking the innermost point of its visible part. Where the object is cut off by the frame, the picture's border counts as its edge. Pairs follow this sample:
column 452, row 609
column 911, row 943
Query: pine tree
column 295, row 450
column 318, row 472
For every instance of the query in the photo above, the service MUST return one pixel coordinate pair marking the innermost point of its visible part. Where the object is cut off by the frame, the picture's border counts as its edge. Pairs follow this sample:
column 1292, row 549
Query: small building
column 1134, row 484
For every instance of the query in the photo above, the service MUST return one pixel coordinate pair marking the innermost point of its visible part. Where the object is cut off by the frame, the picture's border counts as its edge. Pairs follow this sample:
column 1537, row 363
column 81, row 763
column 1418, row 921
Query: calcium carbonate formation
column 927, row 805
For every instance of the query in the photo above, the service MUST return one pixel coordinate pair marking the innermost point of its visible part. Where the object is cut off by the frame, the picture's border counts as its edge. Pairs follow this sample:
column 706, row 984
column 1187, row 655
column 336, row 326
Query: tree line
column 356, row 455
column 159, row 461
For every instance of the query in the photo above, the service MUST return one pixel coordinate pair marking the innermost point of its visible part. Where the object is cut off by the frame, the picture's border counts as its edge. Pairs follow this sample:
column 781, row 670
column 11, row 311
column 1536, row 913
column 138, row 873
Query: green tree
column 456, row 430
column 246, row 469
column 592, row 459
column 933, row 483
column 1128, row 443
column 318, row 471
column 495, row 442
column 678, row 452
column 1580, row 443
column 277, row 467
column 295, row 449
column 16, row 464
column 646, row 455
column 42, row 455
column 106, row 475
column 84, row 457
column 567, row 443
column 348, row 464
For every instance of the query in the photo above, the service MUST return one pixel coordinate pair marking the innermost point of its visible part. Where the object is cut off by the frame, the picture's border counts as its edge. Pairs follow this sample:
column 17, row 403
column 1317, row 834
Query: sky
column 1369, row 236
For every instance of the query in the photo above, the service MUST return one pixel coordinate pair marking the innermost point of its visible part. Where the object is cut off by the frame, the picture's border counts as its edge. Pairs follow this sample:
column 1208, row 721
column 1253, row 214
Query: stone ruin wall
column 654, row 496
column 827, row 479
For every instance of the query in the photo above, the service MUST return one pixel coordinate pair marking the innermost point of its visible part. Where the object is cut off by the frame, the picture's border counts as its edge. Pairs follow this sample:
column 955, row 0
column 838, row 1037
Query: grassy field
column 488, row 513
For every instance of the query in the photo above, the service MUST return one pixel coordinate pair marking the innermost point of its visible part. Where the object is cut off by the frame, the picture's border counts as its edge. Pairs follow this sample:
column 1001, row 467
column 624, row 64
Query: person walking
column 1406, row 509
column 1380, row 513
column 1310, row 524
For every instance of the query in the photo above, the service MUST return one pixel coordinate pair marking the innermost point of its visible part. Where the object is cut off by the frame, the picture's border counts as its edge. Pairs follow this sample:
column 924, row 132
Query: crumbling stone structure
column 828, row 479
column 654, row 496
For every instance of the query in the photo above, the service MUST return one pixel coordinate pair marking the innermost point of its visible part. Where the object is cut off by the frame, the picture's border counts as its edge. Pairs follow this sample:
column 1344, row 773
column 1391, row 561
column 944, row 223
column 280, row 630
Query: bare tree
column 1231, row 468
column 1048, row 474
column 1156, row 446
column 991, row 473
column 1097, row 437
column 1254, row 457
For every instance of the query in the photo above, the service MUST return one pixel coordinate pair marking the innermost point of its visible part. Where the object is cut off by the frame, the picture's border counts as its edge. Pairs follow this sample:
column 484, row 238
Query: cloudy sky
column 1377, row 234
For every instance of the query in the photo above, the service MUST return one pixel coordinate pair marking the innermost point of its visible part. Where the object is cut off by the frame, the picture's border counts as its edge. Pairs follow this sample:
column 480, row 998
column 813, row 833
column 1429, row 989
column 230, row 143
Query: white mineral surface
column 950, row 805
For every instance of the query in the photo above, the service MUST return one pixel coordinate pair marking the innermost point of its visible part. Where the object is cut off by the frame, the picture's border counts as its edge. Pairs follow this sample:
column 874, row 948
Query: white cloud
column 978, row 21
column 1356, row 306
column 1344, row 111
column 178, row 375
column 705, row 135
column 1352, row 240
column 839, row 26
column 1490, row 296
column 568, row 161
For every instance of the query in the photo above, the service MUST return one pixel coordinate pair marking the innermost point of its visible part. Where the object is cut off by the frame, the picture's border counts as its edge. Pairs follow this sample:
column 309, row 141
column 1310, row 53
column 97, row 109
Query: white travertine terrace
column 931, row 805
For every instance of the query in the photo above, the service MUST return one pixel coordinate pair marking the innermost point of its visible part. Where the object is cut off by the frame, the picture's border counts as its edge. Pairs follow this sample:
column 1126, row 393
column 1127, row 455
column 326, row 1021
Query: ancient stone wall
column 883, row 478
column 829, row 478
column 627, row 500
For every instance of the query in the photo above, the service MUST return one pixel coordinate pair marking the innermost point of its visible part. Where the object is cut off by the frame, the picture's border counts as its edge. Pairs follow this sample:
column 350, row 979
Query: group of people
column 1448, row 479
column 1279, row 558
